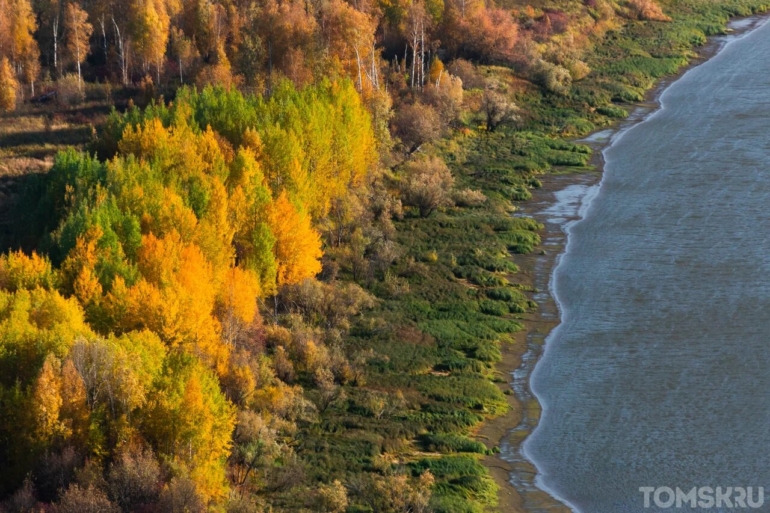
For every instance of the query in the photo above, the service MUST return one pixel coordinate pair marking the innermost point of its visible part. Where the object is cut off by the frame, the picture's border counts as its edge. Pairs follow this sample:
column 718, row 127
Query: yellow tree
column 32, row 325
column 151, row 31
column 5, row 27
column 24, row 49
column 19, row 271
column 237, row 302
column 78, row 268
column 8, row 86
column 297, row 244
column 175, row 298
column 78, row 35
column 189, row 421
column 74, row 413
column 46, row 403
column 349, row 35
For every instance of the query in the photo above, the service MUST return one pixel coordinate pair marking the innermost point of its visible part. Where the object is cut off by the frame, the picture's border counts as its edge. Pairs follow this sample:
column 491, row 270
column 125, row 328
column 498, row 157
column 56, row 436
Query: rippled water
column 659, row 374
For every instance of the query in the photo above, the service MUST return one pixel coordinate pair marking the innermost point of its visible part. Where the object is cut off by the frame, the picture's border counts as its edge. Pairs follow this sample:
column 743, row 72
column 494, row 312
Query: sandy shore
column 555, row 205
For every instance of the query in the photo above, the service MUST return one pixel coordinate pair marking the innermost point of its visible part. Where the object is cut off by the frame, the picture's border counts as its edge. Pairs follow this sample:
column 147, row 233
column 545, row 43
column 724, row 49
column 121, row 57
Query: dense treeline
column 255, row 43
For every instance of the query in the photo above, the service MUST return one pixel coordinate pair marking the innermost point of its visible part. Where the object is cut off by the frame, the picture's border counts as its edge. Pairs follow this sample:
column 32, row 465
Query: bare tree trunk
column 55, row 27
column 375, row 78
column 104, row 36
column 422, row 53
column 414, row 56
column 358, row 63
column 121, row 52
column 77, row 56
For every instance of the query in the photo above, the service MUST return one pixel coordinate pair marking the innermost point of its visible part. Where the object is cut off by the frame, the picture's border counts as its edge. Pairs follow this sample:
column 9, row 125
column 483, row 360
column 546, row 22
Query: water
column 659, row 374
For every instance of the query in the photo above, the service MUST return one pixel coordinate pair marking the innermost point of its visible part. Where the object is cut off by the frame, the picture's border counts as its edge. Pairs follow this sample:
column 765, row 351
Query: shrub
column 240, row 503
column 505, row 294
column 552, row 77
column 332, row 498
column 85, row 500
column 98, row 92
column 488, row 351
column 497, row 109
column 493, row 308
column 55, row 471
column 469, row 198
column 23, row 500
column 180, row 496
column 612, row 111
column 69, row 90
column 578, row 69
column 646, row 10
column 466, row 71
column 451, row 443
column 446, row 96
column 416, row 125
column 133, row 479
column 427, row 185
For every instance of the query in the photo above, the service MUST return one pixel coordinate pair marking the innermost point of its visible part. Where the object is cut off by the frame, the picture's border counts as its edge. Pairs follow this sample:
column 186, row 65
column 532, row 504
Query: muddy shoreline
column 512, row 472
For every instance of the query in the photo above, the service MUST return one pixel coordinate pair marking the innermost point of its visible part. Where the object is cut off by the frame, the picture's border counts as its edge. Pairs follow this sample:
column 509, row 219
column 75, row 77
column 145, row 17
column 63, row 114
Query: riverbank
column 557, row 204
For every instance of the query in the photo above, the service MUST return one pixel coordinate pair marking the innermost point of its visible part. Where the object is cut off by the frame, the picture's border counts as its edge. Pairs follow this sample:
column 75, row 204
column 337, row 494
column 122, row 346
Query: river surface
column 659, row 374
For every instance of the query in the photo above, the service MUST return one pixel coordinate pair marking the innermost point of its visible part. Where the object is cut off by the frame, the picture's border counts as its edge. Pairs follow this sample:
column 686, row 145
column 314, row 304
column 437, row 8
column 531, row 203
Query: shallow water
column 659, row 374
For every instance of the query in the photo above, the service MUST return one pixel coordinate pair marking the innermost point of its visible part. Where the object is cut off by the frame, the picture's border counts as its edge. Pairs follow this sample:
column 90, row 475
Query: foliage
column 427, row 185
column 8, row 86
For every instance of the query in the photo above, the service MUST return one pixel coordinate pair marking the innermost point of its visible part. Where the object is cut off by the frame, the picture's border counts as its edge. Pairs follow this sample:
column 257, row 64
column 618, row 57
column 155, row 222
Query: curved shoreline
column 521, row 488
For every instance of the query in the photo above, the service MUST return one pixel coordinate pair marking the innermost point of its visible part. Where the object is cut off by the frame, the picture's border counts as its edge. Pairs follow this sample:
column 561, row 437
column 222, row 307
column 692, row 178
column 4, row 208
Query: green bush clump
column 479, row 277
column 487, row 262
column 504, row 325
column 459, row 310
column 534, row 182
column 490, row 307
column 648, row 66
column 522, row 242
column 518, row 193
column 449, row 466
column 459, row 363
column 612, row 111
column 509, row 224
column 449, row 333
column 472, row 392
column 448, row 443
column 517, row 308
column 464, row 484
column 505, row 294
column 444, row 418
column 488, row 351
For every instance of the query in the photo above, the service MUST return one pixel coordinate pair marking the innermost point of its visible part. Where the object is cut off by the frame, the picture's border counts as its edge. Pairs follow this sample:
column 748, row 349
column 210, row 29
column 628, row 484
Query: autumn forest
column 261, row 255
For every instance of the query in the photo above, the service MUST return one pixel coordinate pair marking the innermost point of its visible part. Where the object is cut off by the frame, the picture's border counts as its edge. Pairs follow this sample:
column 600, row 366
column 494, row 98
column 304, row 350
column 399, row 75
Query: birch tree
column 78, row 36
